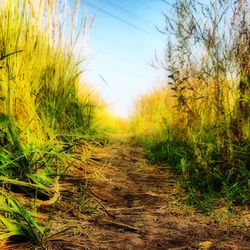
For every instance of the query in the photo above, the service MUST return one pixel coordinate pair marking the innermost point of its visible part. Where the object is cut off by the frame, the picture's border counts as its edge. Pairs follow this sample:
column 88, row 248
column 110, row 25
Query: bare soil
column 119, row 201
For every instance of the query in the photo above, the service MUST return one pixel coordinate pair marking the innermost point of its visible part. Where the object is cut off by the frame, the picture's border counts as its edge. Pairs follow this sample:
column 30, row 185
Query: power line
column 173, row 5
column 157, row 11
column 163, row 13
column 128, row 12
column 149, row 6
column 120, row 19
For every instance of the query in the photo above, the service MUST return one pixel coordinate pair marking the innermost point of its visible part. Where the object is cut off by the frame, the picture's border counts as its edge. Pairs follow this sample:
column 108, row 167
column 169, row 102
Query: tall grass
column 43, row 105
column 202, row 112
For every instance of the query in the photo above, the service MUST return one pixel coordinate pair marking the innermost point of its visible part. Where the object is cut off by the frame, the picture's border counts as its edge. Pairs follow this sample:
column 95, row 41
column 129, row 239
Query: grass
column 201, row 170
column 18, row 221
column 45, row 110
column 198, row 124
column 201, row 120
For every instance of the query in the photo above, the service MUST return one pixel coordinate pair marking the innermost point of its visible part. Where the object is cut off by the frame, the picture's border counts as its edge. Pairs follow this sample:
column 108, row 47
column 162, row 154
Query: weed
column 201, row 117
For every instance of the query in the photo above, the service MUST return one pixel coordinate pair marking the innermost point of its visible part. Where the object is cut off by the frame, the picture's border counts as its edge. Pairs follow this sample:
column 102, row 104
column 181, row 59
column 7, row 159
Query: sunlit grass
column 44, row 107
column 198, row 123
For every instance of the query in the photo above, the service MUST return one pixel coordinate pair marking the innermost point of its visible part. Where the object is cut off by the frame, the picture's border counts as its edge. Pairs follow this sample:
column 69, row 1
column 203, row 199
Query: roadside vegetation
column 198, row 122
column 45, row 110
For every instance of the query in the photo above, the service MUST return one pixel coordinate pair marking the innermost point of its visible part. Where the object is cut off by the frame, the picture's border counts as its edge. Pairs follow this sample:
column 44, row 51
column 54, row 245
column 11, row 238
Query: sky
column 121, row 48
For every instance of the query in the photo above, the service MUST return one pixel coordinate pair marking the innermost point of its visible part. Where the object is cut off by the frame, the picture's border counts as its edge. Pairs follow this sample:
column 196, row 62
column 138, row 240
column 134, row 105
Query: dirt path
column 141, row 208
column 128, row 204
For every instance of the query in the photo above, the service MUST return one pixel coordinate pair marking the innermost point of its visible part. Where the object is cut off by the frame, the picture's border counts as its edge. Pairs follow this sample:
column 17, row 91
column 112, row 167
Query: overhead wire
column 114, row 55
column 118, row 7
column 149, row 6
column 124, row 10
column 157, row 11
column 120, row 19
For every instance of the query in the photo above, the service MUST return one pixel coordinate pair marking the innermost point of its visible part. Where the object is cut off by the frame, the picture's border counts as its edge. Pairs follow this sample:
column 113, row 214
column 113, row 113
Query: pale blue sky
column 121, row 50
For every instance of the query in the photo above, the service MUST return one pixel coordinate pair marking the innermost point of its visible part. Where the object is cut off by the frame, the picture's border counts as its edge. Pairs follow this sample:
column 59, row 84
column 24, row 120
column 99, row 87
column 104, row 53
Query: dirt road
column 141, row 208
column 128, row 204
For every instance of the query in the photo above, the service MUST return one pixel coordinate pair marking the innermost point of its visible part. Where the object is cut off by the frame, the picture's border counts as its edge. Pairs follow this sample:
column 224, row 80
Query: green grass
column 45, row 110
column 17, row 221
column 201, row 170
column 198, row 122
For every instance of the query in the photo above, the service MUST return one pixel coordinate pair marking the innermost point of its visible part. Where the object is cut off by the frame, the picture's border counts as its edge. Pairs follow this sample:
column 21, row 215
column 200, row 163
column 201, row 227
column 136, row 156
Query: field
column 176, row 175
